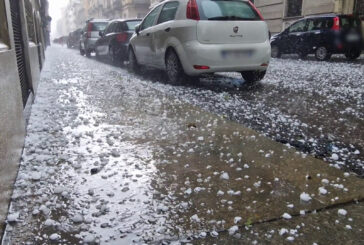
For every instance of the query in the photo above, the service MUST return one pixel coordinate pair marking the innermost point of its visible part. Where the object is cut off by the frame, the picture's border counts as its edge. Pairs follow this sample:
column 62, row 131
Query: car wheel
column 133, row 62
column 353, row 54
column 322, row 53
column 174, row 68
column 88, row 53
column 82, row 52
column 253, row 76
column 275, row 52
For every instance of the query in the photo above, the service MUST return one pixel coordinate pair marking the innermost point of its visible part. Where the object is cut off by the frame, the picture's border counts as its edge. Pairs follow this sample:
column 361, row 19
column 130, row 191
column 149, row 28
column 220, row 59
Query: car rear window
column 99, row 26
column 226, row 10
column 131, row 24
column 347, row 22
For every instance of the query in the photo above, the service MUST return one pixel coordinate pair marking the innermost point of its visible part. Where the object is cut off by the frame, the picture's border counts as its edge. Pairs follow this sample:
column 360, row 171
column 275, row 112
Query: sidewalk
column 110, row 160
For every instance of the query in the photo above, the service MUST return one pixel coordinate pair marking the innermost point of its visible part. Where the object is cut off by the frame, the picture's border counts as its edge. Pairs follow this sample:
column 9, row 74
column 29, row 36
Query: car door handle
column 167, row 29
column 148, row 34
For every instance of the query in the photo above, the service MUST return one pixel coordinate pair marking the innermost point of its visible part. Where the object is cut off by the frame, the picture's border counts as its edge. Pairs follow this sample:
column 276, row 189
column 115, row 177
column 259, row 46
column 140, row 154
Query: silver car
column 90, row 34
column 193, row 37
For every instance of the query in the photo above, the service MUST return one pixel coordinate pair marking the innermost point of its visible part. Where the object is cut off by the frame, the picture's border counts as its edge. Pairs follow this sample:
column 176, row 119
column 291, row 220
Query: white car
column 193, row 37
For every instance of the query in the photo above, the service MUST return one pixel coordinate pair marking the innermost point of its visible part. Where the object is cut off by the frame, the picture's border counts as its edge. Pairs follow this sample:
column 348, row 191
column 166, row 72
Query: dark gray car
column 90, row 34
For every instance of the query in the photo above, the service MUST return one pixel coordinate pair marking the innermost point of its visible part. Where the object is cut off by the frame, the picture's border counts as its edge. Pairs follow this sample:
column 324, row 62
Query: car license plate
column 352, row 37
column 237, row 54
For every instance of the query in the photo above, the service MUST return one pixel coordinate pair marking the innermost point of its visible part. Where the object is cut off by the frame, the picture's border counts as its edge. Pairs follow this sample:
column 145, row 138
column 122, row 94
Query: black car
column 322, row 35
column 74, row 39
column 114, row 40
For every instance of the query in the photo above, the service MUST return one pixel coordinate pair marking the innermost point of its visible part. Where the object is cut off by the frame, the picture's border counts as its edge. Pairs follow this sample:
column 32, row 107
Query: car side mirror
column 137, row 29
column 101, row 33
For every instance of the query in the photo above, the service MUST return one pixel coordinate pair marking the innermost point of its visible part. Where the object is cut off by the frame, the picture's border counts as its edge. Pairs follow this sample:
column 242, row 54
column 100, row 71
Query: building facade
column 281, row 13
column 24, row 26
column 78, row 11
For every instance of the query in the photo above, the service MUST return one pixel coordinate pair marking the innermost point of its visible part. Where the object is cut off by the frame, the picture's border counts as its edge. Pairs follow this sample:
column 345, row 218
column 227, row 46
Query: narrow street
column 116, row 158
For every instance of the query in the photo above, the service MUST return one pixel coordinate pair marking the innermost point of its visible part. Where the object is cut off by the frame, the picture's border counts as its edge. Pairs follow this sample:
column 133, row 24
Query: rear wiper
column 229, row 18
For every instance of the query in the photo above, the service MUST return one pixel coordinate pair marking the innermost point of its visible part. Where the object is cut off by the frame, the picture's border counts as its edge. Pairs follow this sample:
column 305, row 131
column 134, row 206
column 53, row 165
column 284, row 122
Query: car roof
column 125, row 20
column 98, row 20
column 328, row 16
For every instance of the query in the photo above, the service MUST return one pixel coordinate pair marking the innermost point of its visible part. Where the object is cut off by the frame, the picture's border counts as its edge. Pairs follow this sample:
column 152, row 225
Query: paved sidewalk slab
column 109, row 160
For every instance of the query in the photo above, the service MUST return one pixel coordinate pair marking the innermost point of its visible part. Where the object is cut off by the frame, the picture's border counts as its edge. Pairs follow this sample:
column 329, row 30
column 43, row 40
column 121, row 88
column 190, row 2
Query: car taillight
column 199, row 67
column 336, row 25
column 89, row 29
column 256, row 10
column 122, row 37
column 192, row 10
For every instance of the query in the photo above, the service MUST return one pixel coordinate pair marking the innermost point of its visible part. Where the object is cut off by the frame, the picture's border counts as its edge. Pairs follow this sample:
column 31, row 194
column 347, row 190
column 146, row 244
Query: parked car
column 90, row 34
column 74, row 38
column 193, row 37
column 114, row 40
column 322, row 35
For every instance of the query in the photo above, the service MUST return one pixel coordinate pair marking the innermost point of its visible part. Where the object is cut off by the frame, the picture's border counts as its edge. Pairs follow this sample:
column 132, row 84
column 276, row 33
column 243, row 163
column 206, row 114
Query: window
column 30, row 21
column 359, row 7
column 298, row 26
column 149, row 20
column 99, row 26
column 168, row 12
column 294, row 8
column 319, row 24
column 226, row 10
column 119, row 27
column 130, row 25
column 347, row 22
column 4, row 33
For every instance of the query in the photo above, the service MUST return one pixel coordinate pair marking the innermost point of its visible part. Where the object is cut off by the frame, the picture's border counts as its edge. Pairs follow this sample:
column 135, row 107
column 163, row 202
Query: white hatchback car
column 193, row 37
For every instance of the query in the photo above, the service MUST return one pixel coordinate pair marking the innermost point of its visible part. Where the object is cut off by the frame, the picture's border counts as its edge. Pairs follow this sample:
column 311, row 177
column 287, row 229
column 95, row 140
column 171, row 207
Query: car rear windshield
column 226, row 10
column 347, row 22
column 99, row 26
column 131, row 24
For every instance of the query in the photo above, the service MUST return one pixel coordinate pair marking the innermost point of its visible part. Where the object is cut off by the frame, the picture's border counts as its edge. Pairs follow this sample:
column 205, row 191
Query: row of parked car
column 187, row 38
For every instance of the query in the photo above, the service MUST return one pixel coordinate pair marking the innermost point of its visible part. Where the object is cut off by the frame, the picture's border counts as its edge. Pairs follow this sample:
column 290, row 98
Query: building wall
column 13, row 113
column 135, row 8
column 78, row 11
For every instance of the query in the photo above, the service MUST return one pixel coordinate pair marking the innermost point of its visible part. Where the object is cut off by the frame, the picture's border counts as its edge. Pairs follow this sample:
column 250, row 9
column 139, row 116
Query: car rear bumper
column 211, row 55
column 90, row 44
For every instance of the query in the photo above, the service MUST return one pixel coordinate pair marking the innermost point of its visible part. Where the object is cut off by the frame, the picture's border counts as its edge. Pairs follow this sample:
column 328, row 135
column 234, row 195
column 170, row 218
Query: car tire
column 322, row 53
column 174, row 69
column 275, row 52
column 353, row 54
column 133, row 62
column 82, row 52
column 88, row 53
column 253, row 76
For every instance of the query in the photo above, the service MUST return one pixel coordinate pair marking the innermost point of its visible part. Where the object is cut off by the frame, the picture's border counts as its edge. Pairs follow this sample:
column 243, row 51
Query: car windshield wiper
column 229, row 18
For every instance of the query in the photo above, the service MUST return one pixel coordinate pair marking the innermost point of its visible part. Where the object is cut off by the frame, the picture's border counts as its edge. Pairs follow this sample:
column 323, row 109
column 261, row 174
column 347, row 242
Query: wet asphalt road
column 317, row 107
column 115, row 158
